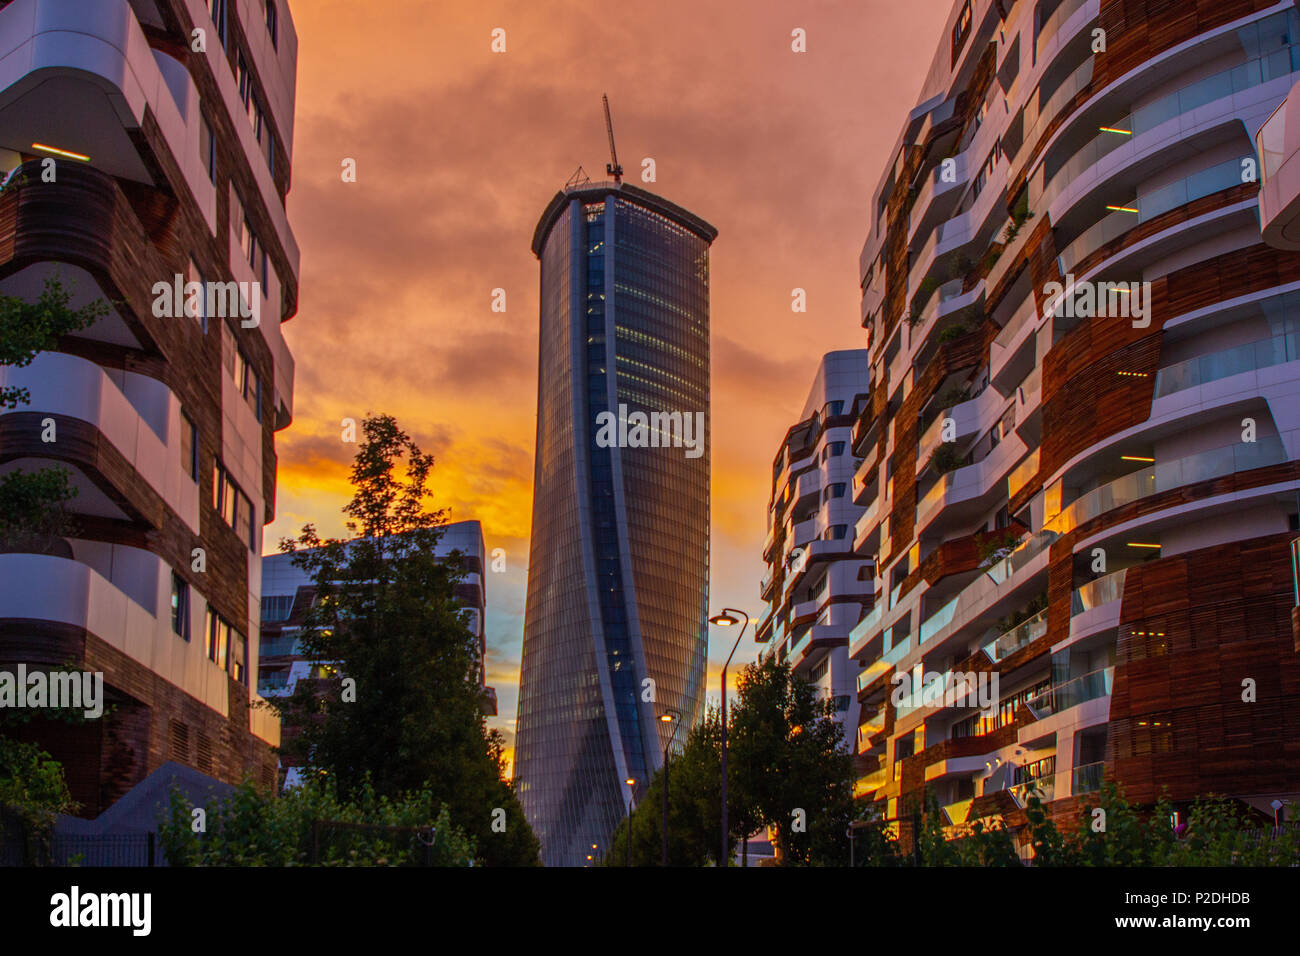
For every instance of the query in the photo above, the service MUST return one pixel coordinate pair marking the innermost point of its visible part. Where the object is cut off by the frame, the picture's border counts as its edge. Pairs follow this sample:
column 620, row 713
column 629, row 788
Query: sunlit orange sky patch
column 459, row 149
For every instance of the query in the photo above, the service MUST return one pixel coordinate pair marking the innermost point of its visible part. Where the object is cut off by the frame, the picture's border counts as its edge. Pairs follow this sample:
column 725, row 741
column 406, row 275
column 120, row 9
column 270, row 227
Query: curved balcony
column 1205, row 182
column 1277, row 143
column 137, row 426
column 1127, row 149
column 1095, row 594
column 1022, row 635
column 1061, row 697
column 1164, row 476
column 1250, row 357
column 47, row 588
column 1061, row 17
column 97, row 61
column 960, row 494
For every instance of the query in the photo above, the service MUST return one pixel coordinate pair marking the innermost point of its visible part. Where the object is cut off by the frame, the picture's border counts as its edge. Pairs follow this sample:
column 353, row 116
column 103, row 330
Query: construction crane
column 612, row 167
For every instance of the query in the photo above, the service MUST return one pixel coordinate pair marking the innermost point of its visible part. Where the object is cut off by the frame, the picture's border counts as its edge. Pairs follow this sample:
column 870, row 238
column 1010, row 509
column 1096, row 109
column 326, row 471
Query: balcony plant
column 946, row 458
column 996, row 547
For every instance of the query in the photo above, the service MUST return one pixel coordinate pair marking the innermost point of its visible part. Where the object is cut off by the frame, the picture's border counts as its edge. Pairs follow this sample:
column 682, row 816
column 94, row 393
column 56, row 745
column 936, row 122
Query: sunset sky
column 459, row 149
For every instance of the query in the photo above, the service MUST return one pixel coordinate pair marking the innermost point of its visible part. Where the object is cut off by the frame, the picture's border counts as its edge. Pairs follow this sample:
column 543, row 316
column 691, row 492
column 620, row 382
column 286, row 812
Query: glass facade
column 618, row 574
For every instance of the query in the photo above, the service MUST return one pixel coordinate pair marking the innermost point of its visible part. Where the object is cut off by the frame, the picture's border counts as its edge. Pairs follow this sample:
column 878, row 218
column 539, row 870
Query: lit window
column 218, row 638
column 238, row 657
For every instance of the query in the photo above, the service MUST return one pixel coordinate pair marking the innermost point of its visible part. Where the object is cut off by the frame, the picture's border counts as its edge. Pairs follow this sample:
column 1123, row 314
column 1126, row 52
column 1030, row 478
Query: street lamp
column 631, row 782
column 726, row 619
column 668, row 717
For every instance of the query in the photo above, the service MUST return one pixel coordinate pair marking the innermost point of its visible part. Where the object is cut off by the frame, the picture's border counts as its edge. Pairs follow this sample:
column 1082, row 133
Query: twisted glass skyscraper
column 615, row 627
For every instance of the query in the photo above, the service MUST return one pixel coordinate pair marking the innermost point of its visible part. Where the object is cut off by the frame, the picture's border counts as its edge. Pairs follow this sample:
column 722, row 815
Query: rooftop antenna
column 612, row 167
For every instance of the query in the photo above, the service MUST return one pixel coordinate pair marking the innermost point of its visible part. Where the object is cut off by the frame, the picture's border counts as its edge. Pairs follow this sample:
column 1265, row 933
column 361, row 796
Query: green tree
column 788, row 766
column 403, row 708
column 694, row 807
column 33, row 504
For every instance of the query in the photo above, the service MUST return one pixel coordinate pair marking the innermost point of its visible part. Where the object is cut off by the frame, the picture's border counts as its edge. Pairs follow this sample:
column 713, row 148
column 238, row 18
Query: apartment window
column 218, row 638
column 208, row 148
column 835, row 490
column 246, row 379
column 273, row 23
column 217, row 9
column 990, row 164
column 833, row 450
column 189, row 447
column 960, row 31
column 234, row 506
column 276, row 607
column 180, row 606
column 254, row 251
column 836, row 532
column 253, row 101
column 238, row 657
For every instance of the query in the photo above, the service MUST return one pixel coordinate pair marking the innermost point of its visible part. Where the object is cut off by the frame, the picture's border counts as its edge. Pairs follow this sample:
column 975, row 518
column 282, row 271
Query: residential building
column 147, row 145
column 288, row 593
column 616, row 617
column 816, row 588
column 1081, row 443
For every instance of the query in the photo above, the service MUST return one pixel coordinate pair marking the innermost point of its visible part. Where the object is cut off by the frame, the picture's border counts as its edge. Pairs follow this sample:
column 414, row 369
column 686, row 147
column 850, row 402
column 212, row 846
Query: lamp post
column 668, row 717
column 726, row 619
column 631, row 782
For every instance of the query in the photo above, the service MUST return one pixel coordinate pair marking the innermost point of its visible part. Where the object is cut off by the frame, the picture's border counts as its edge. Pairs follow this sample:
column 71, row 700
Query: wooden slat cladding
column 1105, row 397
column 1061, row 568
column 1193, row 628
column 1139, row 30
column 1085, row 399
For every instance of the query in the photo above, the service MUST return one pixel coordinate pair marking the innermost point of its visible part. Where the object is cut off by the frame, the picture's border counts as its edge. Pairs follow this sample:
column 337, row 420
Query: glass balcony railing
column 868, row 625
column 1019, row 636
column 278, row 646
column 1270, row 142
column 1214, row 463
column 1096, row 593
column 1088, row 777
column 273, row 682
column 1243, row 358
column 1028, row 549
column 1072, row 693
column 898, row 651
column 940, row 619
column 1057, row 20
column 869, row 784
column 1037, row 116
column 1200, row 184
column 1183, row 100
